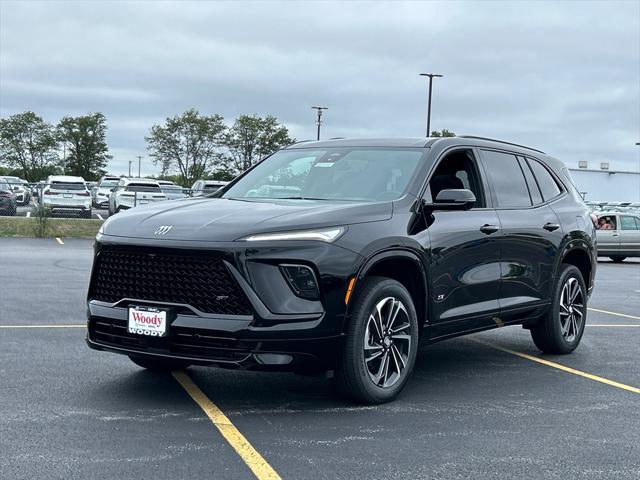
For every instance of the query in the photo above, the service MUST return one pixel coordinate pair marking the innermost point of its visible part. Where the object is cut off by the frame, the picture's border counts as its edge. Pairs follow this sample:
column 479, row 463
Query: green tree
column 443, row 133
column 251, row 138
column 87, row 150
column 188, row 144
column 28, row 144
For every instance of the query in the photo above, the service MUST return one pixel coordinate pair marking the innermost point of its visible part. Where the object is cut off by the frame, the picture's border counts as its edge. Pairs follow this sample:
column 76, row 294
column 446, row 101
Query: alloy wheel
column 387, row 342
column 571, row 309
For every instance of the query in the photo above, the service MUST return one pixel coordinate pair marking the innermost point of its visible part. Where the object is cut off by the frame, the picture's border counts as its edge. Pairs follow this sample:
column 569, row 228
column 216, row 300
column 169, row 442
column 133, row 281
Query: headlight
column 323, row 235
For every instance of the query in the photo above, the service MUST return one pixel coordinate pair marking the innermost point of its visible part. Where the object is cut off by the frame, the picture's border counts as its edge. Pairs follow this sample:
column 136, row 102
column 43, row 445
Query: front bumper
column 281, row 332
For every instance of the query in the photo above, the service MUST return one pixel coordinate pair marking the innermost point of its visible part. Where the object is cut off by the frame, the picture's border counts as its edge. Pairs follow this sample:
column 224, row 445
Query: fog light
column 273, row 358
column 302, row 281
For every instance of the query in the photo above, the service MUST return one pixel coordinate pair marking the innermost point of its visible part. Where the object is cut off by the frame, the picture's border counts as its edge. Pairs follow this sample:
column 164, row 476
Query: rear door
column 530, row 235
column 629, row 235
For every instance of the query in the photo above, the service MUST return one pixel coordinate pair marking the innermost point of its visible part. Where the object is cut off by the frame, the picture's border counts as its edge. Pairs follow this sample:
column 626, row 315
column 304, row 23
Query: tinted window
column 507, row 179
column 67, row 186
column 546, row 182
column 536, row 196
column 142, row 187
column 628, row 223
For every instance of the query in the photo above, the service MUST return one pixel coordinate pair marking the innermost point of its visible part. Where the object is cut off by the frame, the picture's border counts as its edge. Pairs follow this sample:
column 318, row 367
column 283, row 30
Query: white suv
column 131, row 192
column 66, row 194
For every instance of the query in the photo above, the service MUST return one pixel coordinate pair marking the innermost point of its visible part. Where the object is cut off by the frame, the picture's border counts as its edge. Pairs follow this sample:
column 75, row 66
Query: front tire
column 381, row 343
column 560, row 331
column 617, row 259
column 159, row 364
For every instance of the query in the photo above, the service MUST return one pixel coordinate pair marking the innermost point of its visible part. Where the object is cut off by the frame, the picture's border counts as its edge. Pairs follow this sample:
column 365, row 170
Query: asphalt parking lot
column 477, row 407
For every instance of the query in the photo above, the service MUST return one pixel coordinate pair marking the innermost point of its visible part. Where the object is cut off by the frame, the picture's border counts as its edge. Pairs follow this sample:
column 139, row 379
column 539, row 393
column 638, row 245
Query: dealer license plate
column 67, row 195
column 143, row 202
column 147, row 321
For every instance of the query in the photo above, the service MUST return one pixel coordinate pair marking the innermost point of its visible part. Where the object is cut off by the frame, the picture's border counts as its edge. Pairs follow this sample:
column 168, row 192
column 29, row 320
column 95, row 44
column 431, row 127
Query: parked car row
column 64, row 194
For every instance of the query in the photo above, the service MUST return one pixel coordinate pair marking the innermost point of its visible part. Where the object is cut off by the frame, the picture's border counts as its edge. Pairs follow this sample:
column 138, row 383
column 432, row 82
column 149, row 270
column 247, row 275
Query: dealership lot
column 473, row 408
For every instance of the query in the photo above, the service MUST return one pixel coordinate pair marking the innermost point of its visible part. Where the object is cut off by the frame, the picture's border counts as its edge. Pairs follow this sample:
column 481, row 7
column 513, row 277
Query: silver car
column 618, row 235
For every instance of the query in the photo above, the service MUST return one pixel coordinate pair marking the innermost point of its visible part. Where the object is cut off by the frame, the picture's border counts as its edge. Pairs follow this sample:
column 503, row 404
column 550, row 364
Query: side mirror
column 452, row 199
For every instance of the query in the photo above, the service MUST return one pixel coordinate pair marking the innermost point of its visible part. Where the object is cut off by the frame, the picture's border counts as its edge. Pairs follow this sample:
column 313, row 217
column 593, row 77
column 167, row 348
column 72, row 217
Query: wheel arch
column 404, row 266
column 578, row 256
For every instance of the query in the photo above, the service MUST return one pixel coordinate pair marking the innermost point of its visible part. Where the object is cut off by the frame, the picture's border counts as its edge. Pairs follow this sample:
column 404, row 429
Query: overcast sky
column 562, row 77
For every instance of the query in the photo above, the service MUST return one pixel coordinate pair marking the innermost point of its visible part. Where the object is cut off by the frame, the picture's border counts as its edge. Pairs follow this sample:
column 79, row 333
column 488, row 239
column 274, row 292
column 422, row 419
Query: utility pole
column 319, row 120
column 430, row 75
column 139, row 160
column 130, row 168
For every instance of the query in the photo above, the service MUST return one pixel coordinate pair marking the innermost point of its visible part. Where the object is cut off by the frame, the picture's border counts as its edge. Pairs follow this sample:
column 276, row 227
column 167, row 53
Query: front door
column 463, row 256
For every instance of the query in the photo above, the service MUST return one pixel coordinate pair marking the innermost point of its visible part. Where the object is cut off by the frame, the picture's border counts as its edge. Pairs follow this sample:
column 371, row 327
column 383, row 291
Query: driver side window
column 457, row 170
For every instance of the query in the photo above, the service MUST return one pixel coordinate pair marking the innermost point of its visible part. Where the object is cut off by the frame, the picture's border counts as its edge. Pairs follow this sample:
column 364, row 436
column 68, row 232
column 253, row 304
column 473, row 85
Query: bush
column 42, row 217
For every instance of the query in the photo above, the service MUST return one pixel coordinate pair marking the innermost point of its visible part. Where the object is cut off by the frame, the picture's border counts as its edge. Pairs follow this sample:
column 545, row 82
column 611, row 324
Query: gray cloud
column 563, row 77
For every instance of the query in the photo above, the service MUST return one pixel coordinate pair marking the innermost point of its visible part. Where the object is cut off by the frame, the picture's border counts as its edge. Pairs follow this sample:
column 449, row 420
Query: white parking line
column 59, row 240
column 633, row 317
column 99, row 216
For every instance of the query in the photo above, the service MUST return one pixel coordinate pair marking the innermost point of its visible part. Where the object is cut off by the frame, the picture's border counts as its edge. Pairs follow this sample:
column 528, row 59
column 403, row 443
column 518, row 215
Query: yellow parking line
column 560, row 367
column 59, row 240
column 258, row 465
column 613, row 313
column 80, row 325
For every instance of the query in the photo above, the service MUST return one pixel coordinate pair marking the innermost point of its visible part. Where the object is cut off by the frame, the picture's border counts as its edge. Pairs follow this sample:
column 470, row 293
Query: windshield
column 359, row 174
column 171, row 188
column 108, row 183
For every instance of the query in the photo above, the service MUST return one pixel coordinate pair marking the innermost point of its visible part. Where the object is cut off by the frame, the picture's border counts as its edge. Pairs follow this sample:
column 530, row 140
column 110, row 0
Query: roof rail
column 501, row 141
column 296, row 143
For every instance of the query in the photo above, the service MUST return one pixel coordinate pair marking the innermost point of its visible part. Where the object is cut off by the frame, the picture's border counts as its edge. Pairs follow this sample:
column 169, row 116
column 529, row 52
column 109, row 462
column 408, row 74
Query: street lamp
column 139, row 160
column 430, row 75
column 319, row 119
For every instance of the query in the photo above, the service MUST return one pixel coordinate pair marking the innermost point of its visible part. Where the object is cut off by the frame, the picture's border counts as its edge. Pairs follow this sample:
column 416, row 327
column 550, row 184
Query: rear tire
column 158, row 364
column 617, row 259
column 381, row 343
column 560, row 331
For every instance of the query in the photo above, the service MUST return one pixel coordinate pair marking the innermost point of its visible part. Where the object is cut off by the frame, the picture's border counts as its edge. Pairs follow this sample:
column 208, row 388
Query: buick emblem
column 163, row 229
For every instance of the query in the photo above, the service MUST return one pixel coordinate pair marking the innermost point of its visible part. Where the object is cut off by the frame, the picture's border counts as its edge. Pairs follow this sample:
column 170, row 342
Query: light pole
column 430, row 75
column 319, row 120
column 130, row 168
column 139, row 160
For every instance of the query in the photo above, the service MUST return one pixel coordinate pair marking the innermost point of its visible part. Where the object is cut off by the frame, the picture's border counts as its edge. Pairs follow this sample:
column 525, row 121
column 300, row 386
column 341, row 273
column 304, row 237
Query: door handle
column 489, row 229
column 551, row 226
column 615, row 235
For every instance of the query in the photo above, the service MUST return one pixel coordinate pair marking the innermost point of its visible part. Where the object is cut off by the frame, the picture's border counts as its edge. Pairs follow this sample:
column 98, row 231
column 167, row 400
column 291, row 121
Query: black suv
column 340, row 255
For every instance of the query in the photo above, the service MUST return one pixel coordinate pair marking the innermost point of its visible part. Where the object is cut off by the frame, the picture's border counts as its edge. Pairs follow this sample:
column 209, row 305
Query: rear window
column 109, row 183
column 142, row 187
column 546, row 182
column 171, row 188
column 507, row 179
column 56, row 185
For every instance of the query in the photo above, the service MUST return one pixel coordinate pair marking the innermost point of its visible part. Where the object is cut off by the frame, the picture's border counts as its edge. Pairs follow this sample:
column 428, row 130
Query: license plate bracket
column 147, row 321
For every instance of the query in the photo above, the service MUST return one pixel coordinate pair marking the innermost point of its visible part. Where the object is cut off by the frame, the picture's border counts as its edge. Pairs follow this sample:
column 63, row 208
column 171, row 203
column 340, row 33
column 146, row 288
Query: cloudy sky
column 562, row 77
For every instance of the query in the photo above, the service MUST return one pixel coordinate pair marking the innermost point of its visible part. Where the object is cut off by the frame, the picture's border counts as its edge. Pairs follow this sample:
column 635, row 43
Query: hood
column 221, row 219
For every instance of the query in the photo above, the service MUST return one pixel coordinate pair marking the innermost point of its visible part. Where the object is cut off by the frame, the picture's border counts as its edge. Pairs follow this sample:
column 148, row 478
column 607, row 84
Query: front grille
column 200, row 281
column 184, row 342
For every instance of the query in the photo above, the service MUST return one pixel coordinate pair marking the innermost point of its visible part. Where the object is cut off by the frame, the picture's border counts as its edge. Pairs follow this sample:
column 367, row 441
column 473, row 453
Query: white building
column 606, row 185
